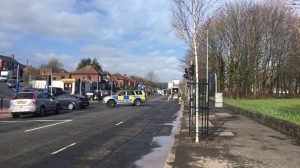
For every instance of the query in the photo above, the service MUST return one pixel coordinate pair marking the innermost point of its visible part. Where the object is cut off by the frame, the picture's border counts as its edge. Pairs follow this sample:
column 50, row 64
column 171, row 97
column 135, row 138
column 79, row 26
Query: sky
column 127, row 36
column 130, row 37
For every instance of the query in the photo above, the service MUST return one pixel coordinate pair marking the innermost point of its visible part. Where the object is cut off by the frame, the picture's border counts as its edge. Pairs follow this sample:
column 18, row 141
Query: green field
column 285, row 109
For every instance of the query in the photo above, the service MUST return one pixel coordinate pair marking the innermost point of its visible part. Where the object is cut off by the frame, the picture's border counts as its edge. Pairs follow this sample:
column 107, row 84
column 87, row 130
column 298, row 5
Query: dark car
column 11, row 83
column 72, row 101
column 56, row 91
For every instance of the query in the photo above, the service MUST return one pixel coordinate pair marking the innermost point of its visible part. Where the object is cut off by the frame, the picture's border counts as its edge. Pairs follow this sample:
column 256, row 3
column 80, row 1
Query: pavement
column 234, row 141
column 4, row 113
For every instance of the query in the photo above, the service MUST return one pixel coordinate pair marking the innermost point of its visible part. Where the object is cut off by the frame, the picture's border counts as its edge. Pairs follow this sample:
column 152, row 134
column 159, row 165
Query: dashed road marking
column 53, row 153
column 119, row 123
column 63, row 121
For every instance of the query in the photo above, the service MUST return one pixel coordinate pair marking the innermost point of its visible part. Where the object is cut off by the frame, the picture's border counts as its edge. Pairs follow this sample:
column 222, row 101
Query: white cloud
column 50, row 18
column 114, row 60
column 6, row 40
column 69, row 62
column 136, row 31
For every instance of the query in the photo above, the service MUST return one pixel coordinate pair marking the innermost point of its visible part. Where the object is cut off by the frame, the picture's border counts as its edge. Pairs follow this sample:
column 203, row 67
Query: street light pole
column 207, row 66
column 197, row 81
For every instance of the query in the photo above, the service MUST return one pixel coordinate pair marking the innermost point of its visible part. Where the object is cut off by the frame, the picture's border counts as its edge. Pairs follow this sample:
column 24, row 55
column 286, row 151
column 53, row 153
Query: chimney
column 12, row 56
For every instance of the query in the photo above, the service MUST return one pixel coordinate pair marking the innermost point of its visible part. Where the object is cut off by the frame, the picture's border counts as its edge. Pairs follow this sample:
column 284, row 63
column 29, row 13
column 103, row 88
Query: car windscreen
column 11, row 81
column 24, row 96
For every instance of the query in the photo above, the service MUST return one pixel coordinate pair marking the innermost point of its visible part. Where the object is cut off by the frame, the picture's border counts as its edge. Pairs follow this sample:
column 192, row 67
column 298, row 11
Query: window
column 48, row 96
column 41, row 96
column 121, row 93
column 130, row 92
column 138, row 92
column 24, row 96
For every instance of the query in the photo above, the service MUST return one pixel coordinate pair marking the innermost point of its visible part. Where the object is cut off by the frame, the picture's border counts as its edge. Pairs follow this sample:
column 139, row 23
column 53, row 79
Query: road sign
column 17, row 87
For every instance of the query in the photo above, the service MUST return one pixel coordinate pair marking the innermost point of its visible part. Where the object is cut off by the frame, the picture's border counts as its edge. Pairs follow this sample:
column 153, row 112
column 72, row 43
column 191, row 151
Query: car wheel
column 110, row 103
column 71, row 106
column 57, row 109
column 15, row 115
column 42, row 111
column 137, row 102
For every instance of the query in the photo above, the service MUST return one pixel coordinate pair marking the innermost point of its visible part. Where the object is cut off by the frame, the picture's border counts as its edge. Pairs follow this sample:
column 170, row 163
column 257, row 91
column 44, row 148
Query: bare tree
column 54, row 64
column 151, row 76
column 255, row 48
column 188, row 18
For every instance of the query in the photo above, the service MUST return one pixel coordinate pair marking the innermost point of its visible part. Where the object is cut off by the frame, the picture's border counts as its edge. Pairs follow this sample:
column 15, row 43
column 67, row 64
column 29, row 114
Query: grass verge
column 285, row 109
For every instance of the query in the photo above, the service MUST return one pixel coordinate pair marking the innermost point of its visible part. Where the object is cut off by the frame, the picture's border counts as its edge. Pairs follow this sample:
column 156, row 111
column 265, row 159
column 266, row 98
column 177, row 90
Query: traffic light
column 186, row 73
column 192, row 70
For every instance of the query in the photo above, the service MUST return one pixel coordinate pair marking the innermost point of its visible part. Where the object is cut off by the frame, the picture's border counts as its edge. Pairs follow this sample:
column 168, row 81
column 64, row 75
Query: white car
column 37, row 103
column 134, row 97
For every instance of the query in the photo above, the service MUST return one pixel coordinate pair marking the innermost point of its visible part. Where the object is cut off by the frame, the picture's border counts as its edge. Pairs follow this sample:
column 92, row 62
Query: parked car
column 56, row 91
column 11, row 83
column 134, row 97
column 72, row 101
column 38, row 103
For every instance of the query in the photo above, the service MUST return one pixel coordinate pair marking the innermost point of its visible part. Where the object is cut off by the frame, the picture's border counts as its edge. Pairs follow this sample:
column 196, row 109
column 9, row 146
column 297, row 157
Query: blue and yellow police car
column 133, row 97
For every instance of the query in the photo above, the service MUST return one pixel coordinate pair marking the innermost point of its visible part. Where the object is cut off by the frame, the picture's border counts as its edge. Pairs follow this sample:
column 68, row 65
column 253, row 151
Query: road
column 95, row 137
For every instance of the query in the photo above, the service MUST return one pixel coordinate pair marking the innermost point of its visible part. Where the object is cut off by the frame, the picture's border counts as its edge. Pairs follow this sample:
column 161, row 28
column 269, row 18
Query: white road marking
column 32, row 121
column 47, row 120
column 53, row 153
column 63, row 121
column 8, row 121
column 119, row 123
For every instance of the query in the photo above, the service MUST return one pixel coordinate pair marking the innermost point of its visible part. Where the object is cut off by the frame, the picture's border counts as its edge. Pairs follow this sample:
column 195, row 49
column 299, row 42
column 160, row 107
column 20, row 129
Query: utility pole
column 80, row 85
column 51, row 90
column 17, row 85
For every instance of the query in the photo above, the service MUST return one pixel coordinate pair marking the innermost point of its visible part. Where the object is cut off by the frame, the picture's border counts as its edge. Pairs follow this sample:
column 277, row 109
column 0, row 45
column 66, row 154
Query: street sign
column 17, row 87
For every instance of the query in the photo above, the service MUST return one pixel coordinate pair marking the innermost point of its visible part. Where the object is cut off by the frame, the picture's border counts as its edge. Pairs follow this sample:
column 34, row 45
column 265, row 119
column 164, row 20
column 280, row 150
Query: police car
column 133, row 97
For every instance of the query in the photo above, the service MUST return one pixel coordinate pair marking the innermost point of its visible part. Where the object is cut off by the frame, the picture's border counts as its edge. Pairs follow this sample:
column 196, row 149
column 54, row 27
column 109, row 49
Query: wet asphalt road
column 95, row 137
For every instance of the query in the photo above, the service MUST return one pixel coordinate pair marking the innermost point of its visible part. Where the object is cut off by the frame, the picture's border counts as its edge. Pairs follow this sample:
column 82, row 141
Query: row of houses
column 91, row 78
column 9, row 63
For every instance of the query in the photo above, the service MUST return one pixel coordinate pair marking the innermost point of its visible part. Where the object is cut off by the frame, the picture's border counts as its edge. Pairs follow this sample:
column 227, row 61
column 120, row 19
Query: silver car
column 37, row 103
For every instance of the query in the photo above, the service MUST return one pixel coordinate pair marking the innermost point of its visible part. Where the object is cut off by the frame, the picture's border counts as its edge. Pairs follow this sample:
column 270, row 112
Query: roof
column 89, row 69
column 8, row 59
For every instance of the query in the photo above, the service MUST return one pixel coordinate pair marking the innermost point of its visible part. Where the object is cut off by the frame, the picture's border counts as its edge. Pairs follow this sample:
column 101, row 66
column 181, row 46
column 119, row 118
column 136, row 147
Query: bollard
column 1, row 103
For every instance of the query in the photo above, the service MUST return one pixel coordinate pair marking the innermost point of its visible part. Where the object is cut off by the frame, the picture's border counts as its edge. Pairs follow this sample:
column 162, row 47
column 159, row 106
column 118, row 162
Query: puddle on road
column 159, row 155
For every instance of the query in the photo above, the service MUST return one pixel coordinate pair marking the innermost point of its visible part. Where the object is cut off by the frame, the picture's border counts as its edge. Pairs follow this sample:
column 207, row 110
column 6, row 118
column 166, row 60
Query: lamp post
column 207, row 66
